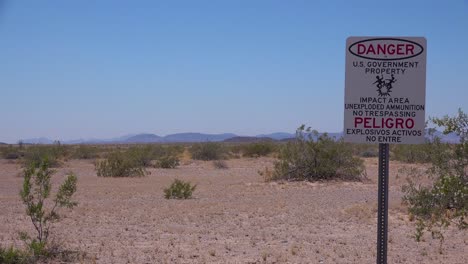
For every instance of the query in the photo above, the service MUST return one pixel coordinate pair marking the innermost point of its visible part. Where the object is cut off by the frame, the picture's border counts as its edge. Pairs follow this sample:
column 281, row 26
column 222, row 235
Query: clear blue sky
column 81, row 69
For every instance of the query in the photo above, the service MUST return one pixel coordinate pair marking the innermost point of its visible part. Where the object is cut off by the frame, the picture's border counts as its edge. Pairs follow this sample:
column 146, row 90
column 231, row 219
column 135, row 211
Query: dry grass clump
column 220, row 164
column 362, row 211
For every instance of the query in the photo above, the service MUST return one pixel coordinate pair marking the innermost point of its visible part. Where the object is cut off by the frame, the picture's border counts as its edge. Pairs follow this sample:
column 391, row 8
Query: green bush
column 120, row 164
column 34, row 194
column 445, row 201
column 369, row 154
column 411, row 153
column 13, row 256
column 258, row 149
column 320, row 159
column 141, row 155
column 167, row 162
column 365, row 150
column 179, row 190
column 174, row 150
column 164, row 155
column 208, row 151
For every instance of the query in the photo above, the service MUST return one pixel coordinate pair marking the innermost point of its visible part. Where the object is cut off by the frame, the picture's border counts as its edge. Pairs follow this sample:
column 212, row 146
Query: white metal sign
column 385, row 90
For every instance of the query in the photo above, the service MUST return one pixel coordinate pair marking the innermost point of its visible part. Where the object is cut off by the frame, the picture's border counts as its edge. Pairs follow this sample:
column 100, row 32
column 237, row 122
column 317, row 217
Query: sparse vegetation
column 445, row 201
column 421, row 153
column 257, row 149
column 164, row 156
column 141, row 155
column 312, row 160
column 35, row 193
column 220, row 164
column 120, row 164
column 12, row 255
column 11, row 152
column 179, row 190
column 208, row 151
column 364, row 212
column 85, row 152
column 167, row 162
column 53, row 153
column 365, row 150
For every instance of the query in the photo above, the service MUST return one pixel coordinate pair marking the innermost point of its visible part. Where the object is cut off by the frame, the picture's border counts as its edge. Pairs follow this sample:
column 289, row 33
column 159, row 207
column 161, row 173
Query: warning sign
column 385, row 90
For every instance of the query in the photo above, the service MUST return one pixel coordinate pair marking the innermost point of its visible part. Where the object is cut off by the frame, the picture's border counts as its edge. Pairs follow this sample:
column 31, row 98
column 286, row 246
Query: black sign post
column 382, row 218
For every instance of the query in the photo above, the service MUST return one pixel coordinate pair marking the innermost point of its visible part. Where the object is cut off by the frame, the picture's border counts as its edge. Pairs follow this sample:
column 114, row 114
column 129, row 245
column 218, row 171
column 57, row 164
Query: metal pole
column 382, row 218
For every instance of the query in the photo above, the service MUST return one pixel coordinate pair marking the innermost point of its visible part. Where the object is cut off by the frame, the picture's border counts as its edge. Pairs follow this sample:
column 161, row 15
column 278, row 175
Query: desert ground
column 234, row 217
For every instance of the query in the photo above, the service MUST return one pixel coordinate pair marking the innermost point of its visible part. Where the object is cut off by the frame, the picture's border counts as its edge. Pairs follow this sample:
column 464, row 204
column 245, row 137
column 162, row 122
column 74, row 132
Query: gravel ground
column 234, row 217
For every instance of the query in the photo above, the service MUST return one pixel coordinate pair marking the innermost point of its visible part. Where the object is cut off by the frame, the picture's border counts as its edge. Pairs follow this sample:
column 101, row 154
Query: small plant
column 167, row 162
column 445, row 201
column 220, row 164
column 119, row 164
column 208, row 151
column 179, row 190
column 35, row 193
column 13, row 256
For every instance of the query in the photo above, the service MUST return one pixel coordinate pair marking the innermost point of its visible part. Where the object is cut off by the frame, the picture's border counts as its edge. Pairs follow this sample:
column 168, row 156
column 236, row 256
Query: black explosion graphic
column 384, row 86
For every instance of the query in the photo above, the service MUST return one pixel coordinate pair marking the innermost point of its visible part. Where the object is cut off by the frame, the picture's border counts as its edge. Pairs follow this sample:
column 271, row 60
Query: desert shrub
column 13, row 256
column 365, row 150
column 179, row 190
column 34, row 155
column 157, row 151
column 445, row 201
column 412, row 153
column 35, row 193
column 120, row 164
column 174, row 149
column 53, row 153
column 162, row 154
column 208, row 151
column 85, row 152
column 167, row 162
column 141, row 155
column 11, row 152
column 369, row 154
column 235, row 149
column 258, row 149
column 220, row 164
column 320, row 159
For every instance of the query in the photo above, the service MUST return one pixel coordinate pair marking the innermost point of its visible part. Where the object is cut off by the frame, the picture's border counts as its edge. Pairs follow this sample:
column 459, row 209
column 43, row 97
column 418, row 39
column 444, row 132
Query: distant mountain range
column 200, row 137
column 172, row 138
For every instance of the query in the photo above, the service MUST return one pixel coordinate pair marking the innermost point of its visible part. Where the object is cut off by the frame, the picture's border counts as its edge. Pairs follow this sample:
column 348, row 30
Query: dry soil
column 234, row 217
